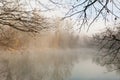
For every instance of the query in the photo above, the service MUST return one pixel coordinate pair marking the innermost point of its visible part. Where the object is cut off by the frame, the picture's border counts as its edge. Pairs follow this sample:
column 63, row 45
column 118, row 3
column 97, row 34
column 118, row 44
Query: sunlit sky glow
column 57, row 11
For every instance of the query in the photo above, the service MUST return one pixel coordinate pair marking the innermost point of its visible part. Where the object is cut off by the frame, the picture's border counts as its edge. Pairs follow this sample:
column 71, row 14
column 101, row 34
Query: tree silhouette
column 88, row 11
column 109, row 43
column 13, row 14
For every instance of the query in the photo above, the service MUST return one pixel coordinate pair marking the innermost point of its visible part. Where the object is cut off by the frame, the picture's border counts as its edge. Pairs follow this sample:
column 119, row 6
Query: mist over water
column 46, row 56
column 38, row 66
column 49, row 56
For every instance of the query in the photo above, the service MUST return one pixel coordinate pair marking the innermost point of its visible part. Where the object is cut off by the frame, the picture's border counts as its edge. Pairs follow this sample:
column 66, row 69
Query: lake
column 75, row 64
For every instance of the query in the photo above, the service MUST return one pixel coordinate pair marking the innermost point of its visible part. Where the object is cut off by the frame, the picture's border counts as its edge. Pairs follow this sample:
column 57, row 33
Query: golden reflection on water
column 37, row 66
column 48, row 57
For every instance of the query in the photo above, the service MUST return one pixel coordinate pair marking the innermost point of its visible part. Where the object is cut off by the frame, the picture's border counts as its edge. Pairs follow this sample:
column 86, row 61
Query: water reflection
column 88, row 70
column 55, row 65
column 110, row 61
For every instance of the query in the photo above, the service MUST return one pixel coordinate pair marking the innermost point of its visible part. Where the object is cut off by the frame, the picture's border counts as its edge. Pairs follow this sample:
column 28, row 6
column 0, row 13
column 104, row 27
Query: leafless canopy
column 90, row 10
column 13, row 14
column 109, row 42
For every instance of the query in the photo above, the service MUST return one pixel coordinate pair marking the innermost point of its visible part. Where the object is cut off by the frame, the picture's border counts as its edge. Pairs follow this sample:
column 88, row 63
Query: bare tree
column 109, row 42
column 13, row 14
column 88, row 11
column 15, row 19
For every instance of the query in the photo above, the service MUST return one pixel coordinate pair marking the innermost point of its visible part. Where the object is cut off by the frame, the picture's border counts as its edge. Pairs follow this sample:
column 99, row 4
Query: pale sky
column 56, row 11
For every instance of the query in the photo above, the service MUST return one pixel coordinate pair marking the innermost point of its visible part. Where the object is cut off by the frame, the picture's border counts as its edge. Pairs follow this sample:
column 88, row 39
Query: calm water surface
column 55, row 65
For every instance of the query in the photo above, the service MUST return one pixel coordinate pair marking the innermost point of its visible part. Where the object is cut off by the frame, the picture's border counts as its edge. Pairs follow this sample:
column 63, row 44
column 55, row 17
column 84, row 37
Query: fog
column 47, row 56
column 37, row 65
